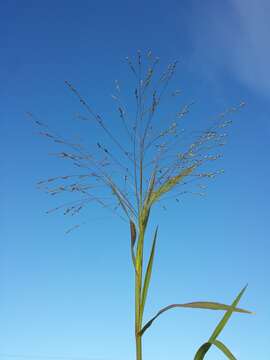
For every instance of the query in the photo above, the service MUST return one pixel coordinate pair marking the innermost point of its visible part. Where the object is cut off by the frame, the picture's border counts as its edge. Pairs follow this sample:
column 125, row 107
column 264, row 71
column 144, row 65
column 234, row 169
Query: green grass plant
column 157, row 158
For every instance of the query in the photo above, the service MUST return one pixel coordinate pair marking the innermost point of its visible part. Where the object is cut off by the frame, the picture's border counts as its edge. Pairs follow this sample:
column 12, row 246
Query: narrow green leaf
column 208, row 305
column 148, row 273
column 196, row 305
column 224, row 349
column 226, row 317
column 213, row 338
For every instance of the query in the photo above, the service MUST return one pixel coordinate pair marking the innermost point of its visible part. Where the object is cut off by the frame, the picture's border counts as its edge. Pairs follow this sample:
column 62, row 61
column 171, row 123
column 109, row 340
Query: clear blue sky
column 72, row 296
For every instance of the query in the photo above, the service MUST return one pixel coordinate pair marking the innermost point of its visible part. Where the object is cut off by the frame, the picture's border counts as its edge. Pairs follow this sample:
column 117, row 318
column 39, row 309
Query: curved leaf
column 206, row 346
column 224, row 349
column 195, row 305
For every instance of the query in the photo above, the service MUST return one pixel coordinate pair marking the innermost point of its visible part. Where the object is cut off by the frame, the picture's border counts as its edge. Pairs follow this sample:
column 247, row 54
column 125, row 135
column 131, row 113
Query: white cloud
column 250, row 55
column 234, row 35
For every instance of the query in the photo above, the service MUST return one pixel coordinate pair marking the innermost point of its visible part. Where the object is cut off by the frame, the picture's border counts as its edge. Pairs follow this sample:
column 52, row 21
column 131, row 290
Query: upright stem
column 138, row 347
column 138, row 292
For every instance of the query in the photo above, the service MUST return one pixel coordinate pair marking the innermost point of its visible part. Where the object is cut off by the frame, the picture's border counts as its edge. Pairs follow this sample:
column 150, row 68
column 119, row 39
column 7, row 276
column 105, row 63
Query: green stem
column 138, row 347
column 137, row 316
column 138, row 293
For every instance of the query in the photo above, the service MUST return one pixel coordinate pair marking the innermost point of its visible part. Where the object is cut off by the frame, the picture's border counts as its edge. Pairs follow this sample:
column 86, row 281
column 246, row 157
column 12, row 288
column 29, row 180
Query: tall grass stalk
column 157, row 160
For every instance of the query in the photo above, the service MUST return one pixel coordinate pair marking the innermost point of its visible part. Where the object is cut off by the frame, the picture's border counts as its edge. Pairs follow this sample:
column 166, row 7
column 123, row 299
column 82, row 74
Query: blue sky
column 72, row 296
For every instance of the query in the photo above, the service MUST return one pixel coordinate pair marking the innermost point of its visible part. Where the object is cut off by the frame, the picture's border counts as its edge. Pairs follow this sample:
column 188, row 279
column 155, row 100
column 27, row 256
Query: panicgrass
column 153, row 161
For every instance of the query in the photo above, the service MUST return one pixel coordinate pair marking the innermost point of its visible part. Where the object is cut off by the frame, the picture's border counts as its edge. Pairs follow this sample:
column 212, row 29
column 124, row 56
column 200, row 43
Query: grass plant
column 155, row 160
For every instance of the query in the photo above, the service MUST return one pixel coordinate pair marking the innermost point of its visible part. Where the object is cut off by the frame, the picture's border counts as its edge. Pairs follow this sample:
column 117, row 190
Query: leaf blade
column 211, row 305
column 148, row 272
column 200, row 354
column 205, row 305
column 224, row 349
column 226, row 317
column 213, row 338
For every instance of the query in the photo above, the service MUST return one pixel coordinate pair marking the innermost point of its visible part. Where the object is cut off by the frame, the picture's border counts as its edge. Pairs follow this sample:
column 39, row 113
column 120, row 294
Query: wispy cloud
column 235, row 35
column 250, row 56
